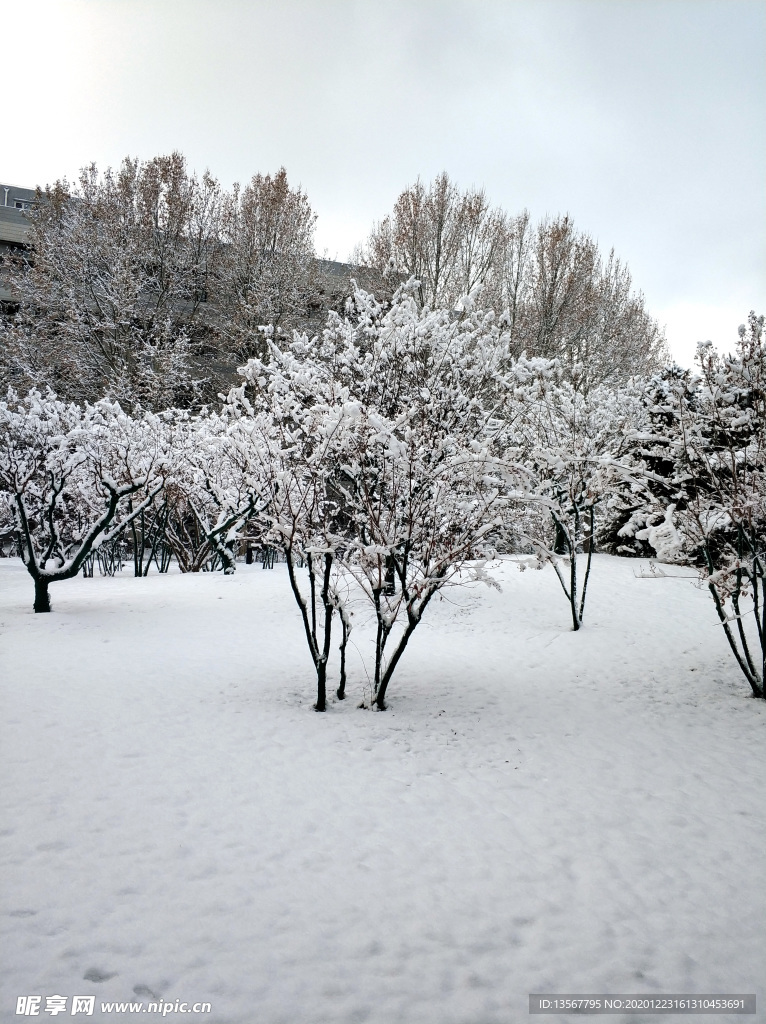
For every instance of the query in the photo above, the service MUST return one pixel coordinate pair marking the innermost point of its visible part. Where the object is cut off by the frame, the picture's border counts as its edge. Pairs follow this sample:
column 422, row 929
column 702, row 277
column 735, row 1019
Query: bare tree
column 269, row 268
column 584, row 312
column 549, row 283
column 508, row 284
column 447, row 240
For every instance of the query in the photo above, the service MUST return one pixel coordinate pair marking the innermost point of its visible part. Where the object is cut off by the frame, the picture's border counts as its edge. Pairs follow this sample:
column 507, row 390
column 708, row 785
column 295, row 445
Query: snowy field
column 538, row 810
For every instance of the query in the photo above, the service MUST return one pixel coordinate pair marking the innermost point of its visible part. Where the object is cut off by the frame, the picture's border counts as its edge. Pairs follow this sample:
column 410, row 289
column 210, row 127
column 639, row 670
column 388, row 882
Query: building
column 14, row 231
column 13, row 202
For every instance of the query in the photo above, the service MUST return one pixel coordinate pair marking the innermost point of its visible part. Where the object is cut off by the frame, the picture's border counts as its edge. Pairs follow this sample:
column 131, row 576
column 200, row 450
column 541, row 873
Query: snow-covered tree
column 70, row 473
column 113, row 292
column 621, row 529
column 425, row 483
column 211, row 493
column 148, row 282
column 380, row 461
column 572, row 444
column 296, row 419
column 707, row 506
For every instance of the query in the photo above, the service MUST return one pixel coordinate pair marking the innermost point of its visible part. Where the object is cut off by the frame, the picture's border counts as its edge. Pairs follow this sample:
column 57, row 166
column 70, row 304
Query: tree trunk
column 329, row 609
column 318, row 657
column 381, row 636
column 321, row 704
column 134, row 537
column 573, row 591
column 341, row 691
column 42, row 597
column 414, row 616
column 389, row 587
column 560, row 541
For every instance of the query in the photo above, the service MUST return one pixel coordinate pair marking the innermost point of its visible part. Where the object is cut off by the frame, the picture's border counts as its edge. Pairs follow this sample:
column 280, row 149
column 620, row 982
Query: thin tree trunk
column 389, row 587
column 755, row 684
column 318, row 657
column 313, row 590
column 321, row 667
column 591, row 543
column 741, row 627
column 329, row 608
column 381, row 636
column 134, row 536
column 414, row 616
column 573, row 590
column 573, row 572
column 341, row 691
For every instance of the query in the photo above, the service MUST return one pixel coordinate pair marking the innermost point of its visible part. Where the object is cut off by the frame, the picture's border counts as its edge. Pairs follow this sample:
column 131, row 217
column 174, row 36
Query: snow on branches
column 571, row 445
column 703, row 452
column 211, row 492
column 70, row 473
column 294, row 444
column 380, row 459
column 388, row 456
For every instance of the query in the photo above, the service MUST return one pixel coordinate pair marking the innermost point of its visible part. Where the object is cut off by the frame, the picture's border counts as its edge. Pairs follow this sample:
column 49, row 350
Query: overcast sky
column 643, row 119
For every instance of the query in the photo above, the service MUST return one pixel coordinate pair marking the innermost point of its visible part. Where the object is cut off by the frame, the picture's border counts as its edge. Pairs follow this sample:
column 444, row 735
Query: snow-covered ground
column 538, row 810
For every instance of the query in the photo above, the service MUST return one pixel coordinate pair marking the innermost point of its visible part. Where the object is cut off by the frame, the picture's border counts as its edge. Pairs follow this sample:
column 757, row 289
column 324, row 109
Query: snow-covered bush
column 70, row 472
column 211, row 493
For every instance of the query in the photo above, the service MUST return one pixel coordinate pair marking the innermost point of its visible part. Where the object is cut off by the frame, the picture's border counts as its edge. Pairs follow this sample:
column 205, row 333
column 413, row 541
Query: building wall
column 13, row 227
column 13, row 202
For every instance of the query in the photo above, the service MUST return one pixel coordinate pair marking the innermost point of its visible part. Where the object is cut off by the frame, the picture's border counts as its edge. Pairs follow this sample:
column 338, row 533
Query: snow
column 538, row 810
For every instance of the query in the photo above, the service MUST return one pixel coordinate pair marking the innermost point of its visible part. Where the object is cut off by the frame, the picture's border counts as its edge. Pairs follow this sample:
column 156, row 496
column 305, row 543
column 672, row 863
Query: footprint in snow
column 144, row 990
column 94, row 974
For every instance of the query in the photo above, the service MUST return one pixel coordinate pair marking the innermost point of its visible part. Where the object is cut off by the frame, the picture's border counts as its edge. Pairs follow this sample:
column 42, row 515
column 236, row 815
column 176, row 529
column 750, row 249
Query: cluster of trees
column 559, row 297
column 395, row 452
column 702, row 446
column 149, row 284
column 499, row 386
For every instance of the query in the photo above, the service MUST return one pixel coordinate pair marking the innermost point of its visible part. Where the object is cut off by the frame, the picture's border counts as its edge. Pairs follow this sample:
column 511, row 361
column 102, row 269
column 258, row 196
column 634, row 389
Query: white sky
column 644, row 119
